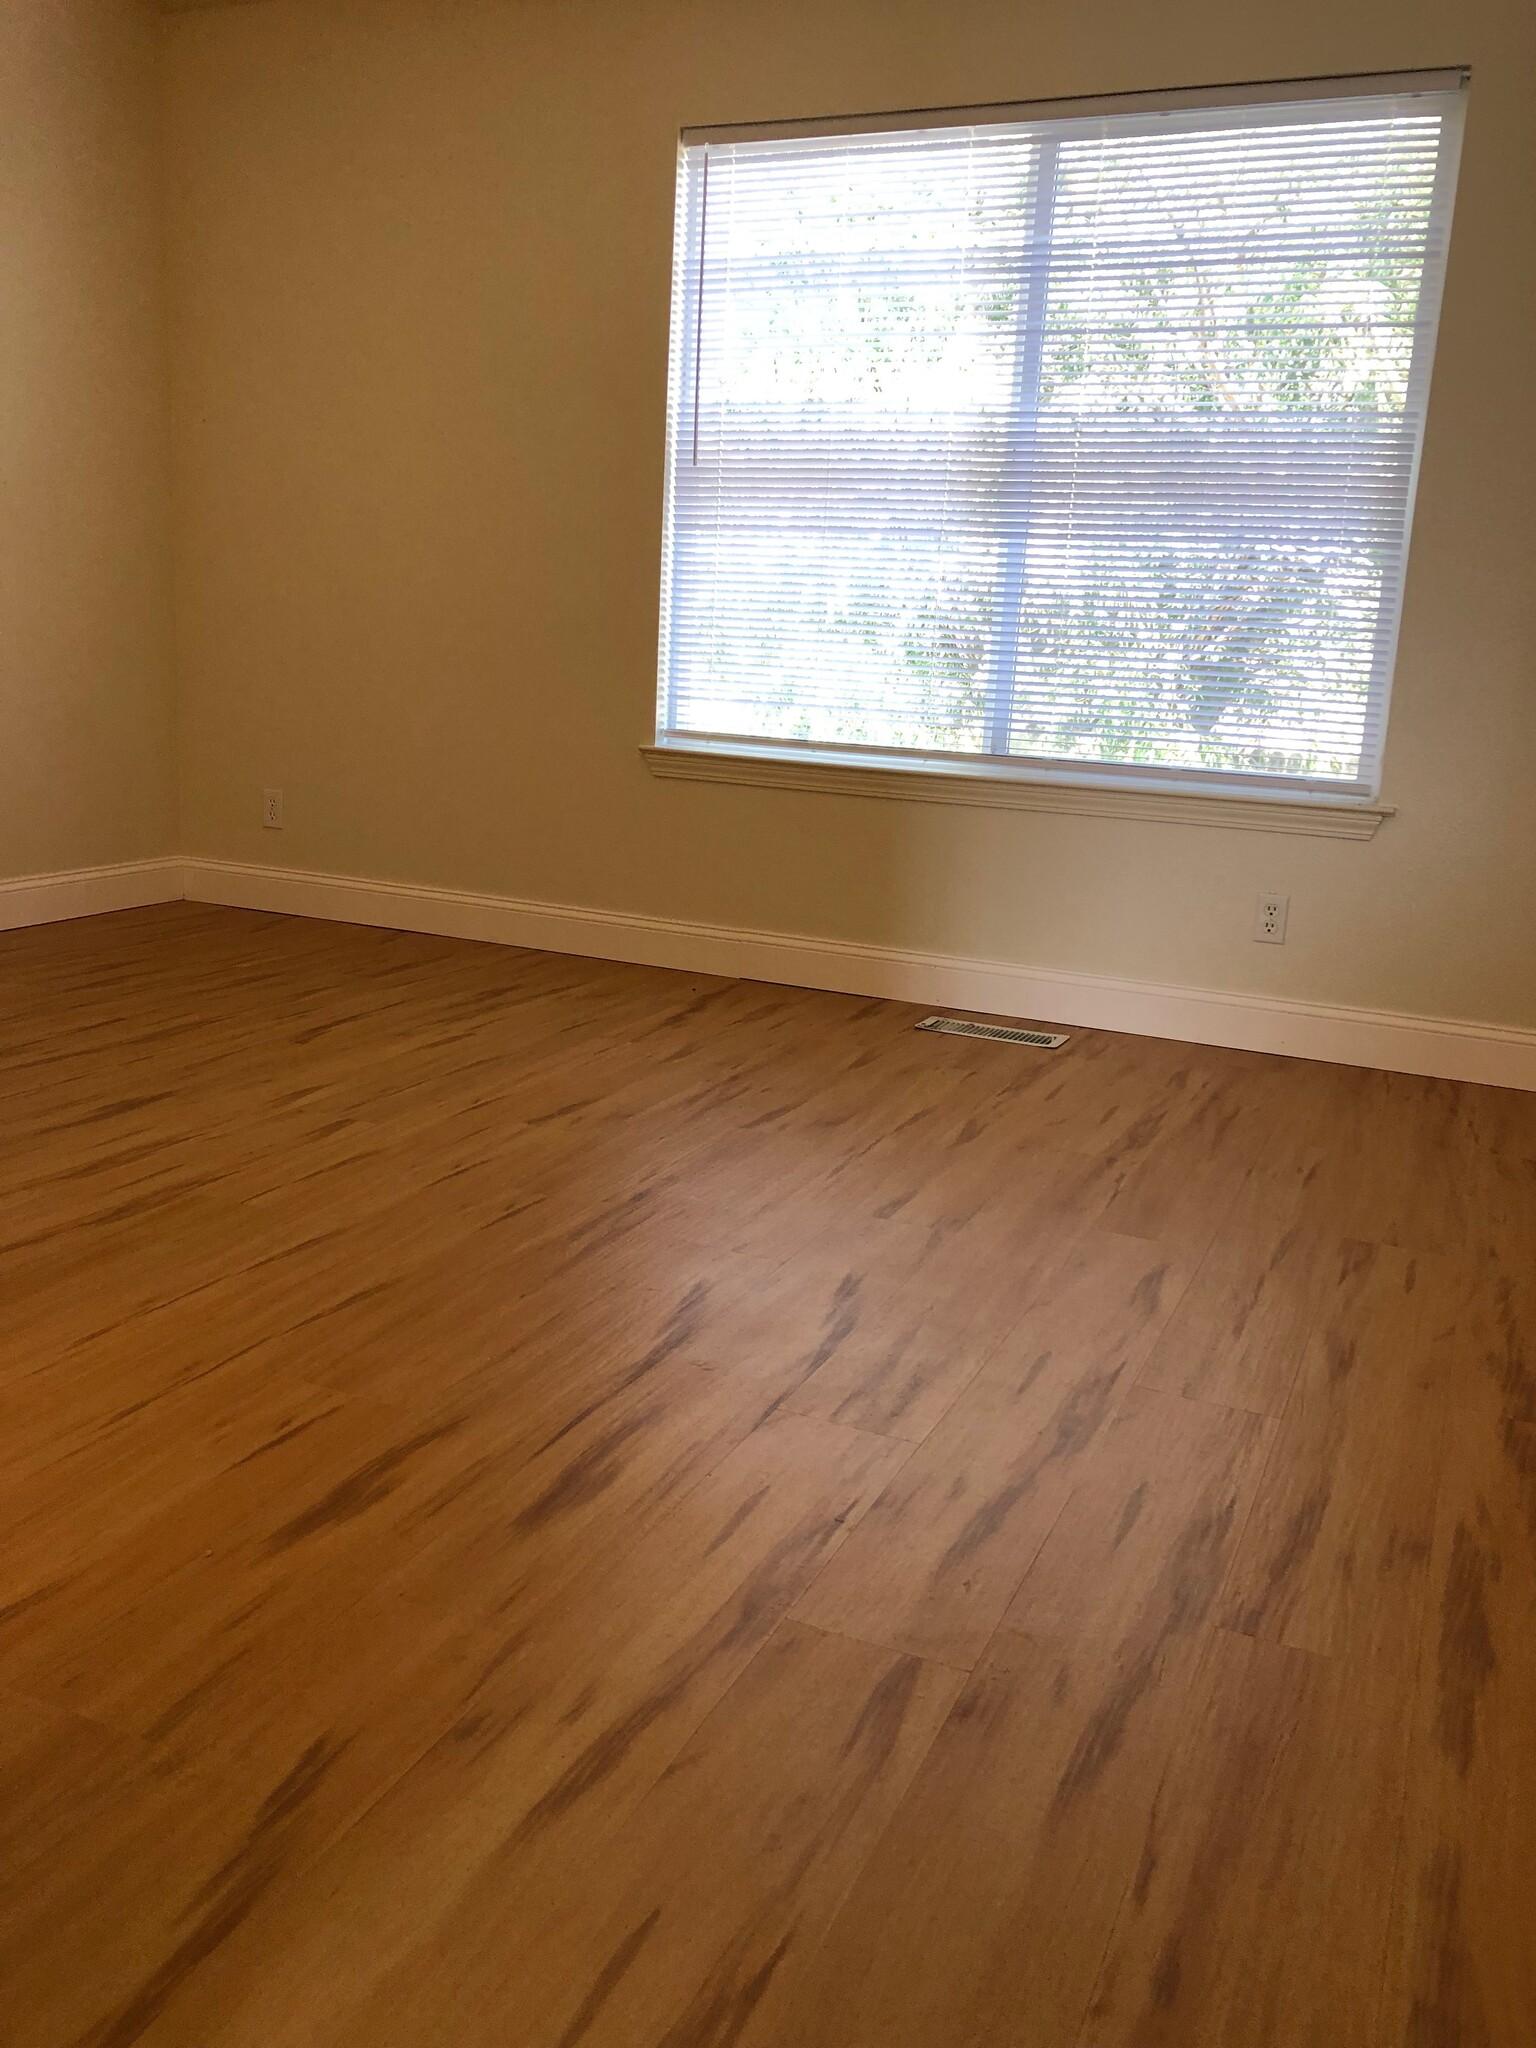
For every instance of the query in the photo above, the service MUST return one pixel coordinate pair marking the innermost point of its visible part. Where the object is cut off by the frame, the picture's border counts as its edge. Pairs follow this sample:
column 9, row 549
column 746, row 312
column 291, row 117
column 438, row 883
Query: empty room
column 767, row 1024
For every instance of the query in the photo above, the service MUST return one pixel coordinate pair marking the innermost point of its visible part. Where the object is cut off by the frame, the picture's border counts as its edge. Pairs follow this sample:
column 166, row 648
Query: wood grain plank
column 1340, row 1534
column 1238, row 1334
column 571, row 1706
column 1259, row 1910
column 1142, row 1549
column 983, row 1914
column 1462, row 1964
column 728, row 1870
column 938, row 1558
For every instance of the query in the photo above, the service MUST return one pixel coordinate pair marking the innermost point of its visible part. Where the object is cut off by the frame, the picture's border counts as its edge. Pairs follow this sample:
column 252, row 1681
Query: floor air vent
column 957, row 1027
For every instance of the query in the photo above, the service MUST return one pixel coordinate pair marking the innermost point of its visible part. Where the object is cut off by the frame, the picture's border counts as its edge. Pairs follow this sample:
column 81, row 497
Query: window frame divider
column 1024, row 420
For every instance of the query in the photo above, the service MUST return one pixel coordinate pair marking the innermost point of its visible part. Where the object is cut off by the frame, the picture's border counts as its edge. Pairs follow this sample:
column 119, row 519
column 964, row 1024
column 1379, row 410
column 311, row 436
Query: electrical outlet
column 272, row 809
column 1269, row 920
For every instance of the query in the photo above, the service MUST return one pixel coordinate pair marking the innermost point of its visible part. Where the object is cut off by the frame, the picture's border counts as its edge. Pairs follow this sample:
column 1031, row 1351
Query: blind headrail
column 1174, row 100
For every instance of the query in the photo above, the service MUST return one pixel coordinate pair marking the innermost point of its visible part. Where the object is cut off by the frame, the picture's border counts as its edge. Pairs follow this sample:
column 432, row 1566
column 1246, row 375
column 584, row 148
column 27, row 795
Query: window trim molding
column 986, row 787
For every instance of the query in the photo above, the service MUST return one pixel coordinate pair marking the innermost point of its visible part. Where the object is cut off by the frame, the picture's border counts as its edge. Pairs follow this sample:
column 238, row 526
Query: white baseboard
column 86, row 892
column 1451, row 1048
column 1447, row 1047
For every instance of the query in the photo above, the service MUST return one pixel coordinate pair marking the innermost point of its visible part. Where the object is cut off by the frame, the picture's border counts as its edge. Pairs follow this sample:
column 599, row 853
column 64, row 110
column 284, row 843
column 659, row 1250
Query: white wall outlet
column 1269, row 920
column 272, row 809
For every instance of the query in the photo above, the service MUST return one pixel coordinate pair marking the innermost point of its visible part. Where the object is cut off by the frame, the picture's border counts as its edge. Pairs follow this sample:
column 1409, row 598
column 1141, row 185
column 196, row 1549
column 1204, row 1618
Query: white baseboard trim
column 1446, row 1047
column 86, row 892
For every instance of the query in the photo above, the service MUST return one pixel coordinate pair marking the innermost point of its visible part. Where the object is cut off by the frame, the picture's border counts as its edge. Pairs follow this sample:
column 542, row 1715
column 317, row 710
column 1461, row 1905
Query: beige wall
column 420, row 265
column 87, row 727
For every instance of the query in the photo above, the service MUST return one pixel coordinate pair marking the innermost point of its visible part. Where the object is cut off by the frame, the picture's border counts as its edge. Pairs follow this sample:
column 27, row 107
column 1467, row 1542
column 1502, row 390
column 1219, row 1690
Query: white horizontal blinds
column 1216, row 507
column 844, row 433
column 1086, row 441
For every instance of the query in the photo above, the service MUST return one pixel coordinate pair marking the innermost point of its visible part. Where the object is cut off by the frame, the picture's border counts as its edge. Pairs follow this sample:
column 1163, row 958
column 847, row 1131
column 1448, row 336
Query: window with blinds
column 1075, row 441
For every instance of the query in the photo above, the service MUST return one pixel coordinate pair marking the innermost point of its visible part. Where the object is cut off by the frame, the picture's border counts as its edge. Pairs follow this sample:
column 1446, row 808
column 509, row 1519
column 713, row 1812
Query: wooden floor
column 554, row 1503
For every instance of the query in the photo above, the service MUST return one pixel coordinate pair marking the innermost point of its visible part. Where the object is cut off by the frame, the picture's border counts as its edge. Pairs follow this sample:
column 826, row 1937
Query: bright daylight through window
column 1056, row 443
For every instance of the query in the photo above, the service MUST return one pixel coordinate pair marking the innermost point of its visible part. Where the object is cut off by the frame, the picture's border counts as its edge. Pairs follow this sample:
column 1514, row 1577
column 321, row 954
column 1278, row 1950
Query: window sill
column 989, row 789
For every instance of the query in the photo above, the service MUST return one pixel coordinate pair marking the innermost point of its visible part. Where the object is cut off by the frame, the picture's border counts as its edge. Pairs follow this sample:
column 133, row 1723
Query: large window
column 1057, row 442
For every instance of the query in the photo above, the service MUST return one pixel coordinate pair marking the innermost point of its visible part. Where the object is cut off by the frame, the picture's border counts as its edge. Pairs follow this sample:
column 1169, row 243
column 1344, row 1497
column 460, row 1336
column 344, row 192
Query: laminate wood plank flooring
column 554, row 1504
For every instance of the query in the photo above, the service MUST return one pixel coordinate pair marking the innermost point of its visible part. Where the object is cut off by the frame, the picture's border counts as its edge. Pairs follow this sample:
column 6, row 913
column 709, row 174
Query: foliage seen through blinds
column 1088, row 443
